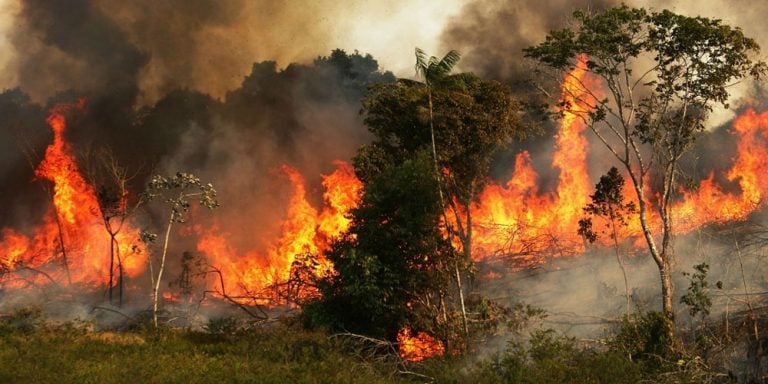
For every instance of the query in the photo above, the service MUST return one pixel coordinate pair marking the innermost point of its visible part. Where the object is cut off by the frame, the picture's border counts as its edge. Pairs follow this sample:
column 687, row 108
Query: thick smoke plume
column 204, row 45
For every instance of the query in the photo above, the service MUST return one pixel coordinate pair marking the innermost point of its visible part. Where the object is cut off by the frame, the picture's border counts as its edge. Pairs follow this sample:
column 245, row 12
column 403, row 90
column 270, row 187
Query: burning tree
column 663, row 74
column 110, row 181
column 177, row 190
column 391, row 270
column 457, row 120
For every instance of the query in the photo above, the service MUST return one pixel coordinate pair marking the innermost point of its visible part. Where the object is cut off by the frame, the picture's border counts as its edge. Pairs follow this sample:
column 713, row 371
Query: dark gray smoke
column 72, row 45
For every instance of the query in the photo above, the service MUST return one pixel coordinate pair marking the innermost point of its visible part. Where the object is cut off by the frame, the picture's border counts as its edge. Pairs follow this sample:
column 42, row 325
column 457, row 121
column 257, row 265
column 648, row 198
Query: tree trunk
column 119, row 279
column 63, row 247
column 112, row 245
column 461, row 299
column 442, row 205
column 156, row 288
column 666, row 295
column 661, row 258
column 617, row 249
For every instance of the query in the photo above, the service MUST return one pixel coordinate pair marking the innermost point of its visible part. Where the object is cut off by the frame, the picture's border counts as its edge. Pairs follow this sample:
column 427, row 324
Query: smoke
column 584, row 297
column 175, row 88
column 71, row 45
column 202, row 45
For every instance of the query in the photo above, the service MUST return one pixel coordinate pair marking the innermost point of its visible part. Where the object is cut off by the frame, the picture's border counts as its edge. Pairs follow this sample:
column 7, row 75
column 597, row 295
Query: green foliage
column 226, row 326
column 607, row 202
column 643, row 337
column 689, row 64
column 696, row 296
column 25, row 320
column 550, row 358
column 661, row 74
column 390, row 262
column 432, row 69
column 181, row 183
column 473, row 118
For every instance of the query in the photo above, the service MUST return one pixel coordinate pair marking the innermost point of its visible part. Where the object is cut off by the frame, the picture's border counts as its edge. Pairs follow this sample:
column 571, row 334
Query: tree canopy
column 388, row 266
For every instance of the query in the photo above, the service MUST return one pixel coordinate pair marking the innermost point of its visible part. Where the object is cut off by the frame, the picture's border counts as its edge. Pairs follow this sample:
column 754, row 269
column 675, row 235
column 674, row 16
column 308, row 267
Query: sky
column 210, row 45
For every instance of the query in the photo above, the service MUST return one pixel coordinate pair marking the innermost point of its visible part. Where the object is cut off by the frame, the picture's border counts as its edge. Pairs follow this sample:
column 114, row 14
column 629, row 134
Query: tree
column 389, row 269
column 467, row 118
column 177, row 190
column 608, row 203
column 110, row 180
column 433, row 72
column 663, row 73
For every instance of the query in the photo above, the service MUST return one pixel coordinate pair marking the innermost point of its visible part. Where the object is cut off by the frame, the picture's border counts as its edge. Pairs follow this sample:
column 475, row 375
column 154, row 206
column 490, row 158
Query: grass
column 73, row 355
column 33, row 351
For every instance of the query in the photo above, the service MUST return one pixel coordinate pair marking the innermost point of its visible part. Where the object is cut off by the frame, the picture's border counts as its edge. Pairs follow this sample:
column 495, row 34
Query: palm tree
column 434, row 72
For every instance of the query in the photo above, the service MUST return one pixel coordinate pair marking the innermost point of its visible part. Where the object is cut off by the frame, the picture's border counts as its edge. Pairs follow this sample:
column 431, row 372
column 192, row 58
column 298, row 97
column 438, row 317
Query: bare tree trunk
column 752, row 315
column 119, row 278
column 61, row 244
column 461, row 299
column 112, row 244
column 443, row 206
column 156, row 288
column 621, row 263
column 666, row 295
column 661, row 258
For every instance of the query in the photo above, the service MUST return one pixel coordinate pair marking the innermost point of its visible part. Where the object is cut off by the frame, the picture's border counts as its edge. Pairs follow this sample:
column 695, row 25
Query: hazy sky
column 211, row 45
column 228, row 41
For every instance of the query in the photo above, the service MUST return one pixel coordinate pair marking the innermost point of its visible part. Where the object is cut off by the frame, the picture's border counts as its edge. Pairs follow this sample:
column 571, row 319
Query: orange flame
column 419, row 346
column 517, row 220
column 72, row 231
column 305, row 230
column 709, row 204
column 513, row 219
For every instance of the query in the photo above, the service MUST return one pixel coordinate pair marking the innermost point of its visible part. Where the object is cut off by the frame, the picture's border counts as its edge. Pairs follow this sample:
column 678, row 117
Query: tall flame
column 304, row 231
column 517, row 219
column 72, row 232
column 512, row 219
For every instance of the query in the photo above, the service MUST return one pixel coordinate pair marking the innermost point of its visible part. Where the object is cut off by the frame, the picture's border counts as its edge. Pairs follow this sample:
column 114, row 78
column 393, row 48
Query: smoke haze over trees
column 240, row 93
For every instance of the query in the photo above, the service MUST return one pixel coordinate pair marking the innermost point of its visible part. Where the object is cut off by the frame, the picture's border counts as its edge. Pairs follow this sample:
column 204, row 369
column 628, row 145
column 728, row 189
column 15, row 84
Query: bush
column 643, row 337
column 551, row 358
column 24, row 320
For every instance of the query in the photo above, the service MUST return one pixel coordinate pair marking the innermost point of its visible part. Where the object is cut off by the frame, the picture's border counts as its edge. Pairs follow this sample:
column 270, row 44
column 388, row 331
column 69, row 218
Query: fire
column 70, row 244
column 519, row 221
column 516, row 219
column 72, row 232
column 419, row 346
column 709, row 204
column 304, row 231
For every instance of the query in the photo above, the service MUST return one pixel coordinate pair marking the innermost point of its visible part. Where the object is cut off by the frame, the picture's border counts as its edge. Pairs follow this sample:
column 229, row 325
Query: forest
column 590, row 211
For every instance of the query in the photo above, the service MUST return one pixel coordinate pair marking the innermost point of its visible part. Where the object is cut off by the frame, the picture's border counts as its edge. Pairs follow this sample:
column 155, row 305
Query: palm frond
column 449, row 61
column 431, row 69
column 421, row 63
